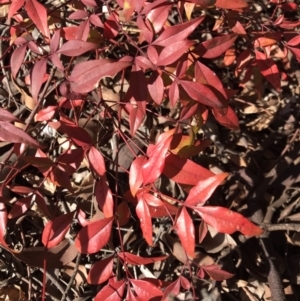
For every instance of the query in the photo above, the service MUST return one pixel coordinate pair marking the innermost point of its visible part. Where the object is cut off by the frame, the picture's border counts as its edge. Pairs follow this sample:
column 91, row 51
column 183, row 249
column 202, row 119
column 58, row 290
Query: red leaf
column 138, row 260
column 86, row 75
column 55, row 230
column 174, row 93
column 97, row 161
column 204, row 94
column 10, row 133
column 136, row 117
column 123, row 213
column 296, row 52
column 177, row 33
column 294, row 41
column 157, row 207
column 145, row 290
column 101, row 271
column 184, row 171
column 156, row 88
column 17, row 58
column 155, row 164
column 230, row 120
column 54, row 43
column 227, row 221
column 135, row 174
column 186, row 231
column 215, row 46
column 206, row 76
column 3, row 223
column 173, row 52
column 77, row 15
column 46, row 113
column 104, row 197
column 143, row 214
column 113, row 291
column 172, row 290
column 204, row 189
column 38, row 14
column 94, row 236
column 37, row 77
column 111, row 26
column 79, row 135
column 232, row 4
column 268, row 69
column 20, row 207
column 216, row 273
column 76, row 47
column 95, row 20
column 14, row 7
column 7, row 116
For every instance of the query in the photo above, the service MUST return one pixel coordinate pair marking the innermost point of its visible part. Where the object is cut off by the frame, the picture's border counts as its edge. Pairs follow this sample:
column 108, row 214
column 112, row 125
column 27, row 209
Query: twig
column 64, row 296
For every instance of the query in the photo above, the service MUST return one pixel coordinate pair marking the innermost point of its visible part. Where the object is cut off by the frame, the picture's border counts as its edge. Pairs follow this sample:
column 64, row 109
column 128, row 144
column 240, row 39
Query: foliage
column 164, row 56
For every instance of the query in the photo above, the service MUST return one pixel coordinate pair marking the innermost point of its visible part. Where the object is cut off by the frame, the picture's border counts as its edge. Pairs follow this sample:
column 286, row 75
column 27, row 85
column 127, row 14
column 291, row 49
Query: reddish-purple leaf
column 135, row 174
column 95, row 20
column 104, row 197
column 144, row 216
column 54, row 43
column 143, row 62
column 55, row 230
column 3, row 224
column 78, row 14
column 200, row 193
column 177, row 33
column 145, row 290
column 86, row 75
column 76, row 47
column 91, row 3
column 159, row 15
column 215, row 272
column 37, row 77
column 83, row 31
column 186, row 231
column 7, row 116
column 10, row 133
column 101, row 271
column 156, row 87
column 156, row 162
column 138, row 83
column 20, row 207
column 268, row 69
column 227, row 221
column 204, row 94
column 97, row 161
column 215, row 46
column 56, row 61
column 184, row 171
column 38, row 15
column 173, row 52
column 230, row 120
column 94, row 236
column 138, row 260
column 17, row 58
column 113, row 291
